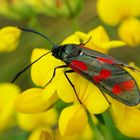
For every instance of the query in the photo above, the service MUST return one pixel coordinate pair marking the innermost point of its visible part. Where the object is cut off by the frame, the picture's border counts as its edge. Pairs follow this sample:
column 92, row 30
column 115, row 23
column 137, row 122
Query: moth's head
column 56, row 52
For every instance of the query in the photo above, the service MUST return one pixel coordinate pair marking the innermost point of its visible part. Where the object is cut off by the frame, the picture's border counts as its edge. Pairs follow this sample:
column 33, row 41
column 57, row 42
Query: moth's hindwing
column 103, row 71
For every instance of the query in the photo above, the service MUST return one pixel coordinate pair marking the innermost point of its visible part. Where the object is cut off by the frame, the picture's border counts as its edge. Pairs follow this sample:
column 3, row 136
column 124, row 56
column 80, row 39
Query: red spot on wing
column 79, row 65
column 97, row 78
column 109, row 61
column 128, row 85
column 104, row 74
column 74, row 68
column 116, row 89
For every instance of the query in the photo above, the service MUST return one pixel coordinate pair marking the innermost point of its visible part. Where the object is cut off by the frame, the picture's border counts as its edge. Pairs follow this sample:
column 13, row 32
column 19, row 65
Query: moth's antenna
column 28, row 66
column 36, row 32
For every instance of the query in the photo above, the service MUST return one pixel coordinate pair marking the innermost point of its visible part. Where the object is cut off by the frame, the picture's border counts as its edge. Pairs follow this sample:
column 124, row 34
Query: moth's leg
column 104, row 95
column 84, row 43
column 54, row 72
column 65, row 73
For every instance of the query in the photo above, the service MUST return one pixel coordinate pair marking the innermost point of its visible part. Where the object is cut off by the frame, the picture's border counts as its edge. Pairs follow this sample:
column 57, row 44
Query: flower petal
column 9, row 37
column 65, row 90
column 126, row 119
column 8, row 94
column 82, row 36
column 31, row 101
column 100, row 40
column 72, row 120
column 99, row 34
column 86, row 134
column 131, row 36
column 85, row 37
column 58, row 136
column 42, row 71
column 41, row 134
column 91, row 96
column 112, row 12
column 72, row 39
column 49, row 93
column 106, row 46
column 29, row 122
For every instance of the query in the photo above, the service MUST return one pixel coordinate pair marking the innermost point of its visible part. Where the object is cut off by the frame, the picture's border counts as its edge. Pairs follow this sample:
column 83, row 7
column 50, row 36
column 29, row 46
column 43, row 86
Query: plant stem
column 94, row 128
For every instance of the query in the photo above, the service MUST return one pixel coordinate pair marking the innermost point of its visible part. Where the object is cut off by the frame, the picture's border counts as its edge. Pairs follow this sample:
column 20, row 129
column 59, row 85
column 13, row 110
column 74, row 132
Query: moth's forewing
column 101, row 70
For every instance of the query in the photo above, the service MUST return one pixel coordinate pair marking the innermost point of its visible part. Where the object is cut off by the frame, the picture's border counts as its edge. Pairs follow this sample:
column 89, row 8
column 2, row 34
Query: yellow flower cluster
column 35, row 105
column 124, row 13
column 73, row 119
column 9, row 37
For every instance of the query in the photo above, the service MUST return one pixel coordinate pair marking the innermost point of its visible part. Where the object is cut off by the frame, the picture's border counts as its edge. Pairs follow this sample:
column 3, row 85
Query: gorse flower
column 73, row 118
column 125, row 13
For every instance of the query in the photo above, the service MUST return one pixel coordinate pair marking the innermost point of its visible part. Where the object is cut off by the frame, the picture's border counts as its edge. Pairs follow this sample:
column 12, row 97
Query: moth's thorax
column 67, row 51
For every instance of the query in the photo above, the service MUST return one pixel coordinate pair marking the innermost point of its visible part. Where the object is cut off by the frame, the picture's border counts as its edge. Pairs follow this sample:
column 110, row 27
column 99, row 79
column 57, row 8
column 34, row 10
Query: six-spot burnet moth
column 106, row 72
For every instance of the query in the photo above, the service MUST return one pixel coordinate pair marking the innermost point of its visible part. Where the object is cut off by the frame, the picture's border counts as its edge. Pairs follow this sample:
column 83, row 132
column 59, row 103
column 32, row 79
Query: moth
column 103, row 70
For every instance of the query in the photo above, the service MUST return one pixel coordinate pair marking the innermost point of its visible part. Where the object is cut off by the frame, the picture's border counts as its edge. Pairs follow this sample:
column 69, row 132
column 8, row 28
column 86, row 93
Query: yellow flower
column 100, row 40
column 129, row 31
column 127, row 118
column 123, row 12
column 73, row 118
column 40, row 125
column 9, row 37
column 86, row 134
column 8, row 94
column 31, row 101
column 113, row 12
column 41, row 134
column 30, row 122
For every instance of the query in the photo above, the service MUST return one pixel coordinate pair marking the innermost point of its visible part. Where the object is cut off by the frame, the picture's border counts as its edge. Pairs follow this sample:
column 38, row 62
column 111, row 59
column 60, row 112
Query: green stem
column 94, row 128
